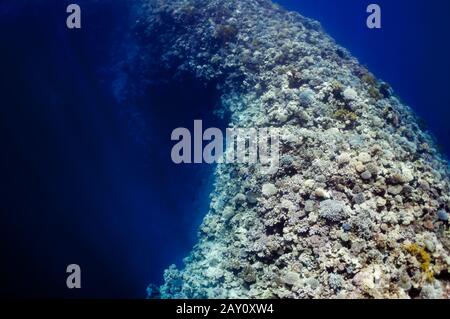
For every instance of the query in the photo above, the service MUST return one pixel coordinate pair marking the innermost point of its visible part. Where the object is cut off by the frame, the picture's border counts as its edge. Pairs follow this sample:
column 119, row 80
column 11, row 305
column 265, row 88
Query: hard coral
column 424, row 258
column 346, row 115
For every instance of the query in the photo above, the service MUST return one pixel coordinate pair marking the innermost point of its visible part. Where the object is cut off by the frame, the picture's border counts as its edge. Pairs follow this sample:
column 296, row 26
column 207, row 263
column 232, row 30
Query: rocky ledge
column 359, row 205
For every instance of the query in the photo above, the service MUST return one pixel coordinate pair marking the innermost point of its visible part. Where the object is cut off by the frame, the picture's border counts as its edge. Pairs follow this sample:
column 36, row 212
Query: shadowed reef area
column 359, row 205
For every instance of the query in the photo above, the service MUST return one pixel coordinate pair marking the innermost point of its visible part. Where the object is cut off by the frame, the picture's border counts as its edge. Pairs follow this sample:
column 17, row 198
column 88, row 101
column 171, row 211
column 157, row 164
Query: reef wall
column 359, row 205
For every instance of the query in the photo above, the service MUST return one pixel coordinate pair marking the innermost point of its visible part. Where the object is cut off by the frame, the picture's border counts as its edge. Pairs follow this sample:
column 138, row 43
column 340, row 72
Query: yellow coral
column 337, row 88
column 424, row 258
column 375, row 93
column 372, row 84
column 369, row 79
column 336, row 85
column 345, row 115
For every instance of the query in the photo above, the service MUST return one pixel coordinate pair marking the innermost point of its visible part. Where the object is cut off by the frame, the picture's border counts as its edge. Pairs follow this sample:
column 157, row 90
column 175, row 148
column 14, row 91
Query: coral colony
column 358, row 206
column 242, row 146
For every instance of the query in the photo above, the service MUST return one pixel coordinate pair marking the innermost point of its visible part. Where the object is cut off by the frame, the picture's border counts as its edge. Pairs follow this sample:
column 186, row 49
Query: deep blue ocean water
column 88, row 179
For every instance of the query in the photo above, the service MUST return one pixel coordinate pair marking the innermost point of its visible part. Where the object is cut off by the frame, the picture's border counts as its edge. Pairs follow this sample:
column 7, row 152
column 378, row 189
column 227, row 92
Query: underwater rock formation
column 358, row 207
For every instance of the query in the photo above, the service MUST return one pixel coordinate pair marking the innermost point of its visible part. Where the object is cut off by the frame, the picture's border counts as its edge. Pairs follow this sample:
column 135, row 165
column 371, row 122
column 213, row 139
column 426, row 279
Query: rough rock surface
column 358, row 208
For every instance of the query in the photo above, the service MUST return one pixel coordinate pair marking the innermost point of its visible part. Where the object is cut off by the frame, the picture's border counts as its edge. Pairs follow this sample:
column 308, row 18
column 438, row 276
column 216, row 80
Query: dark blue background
column 88, row 180
column 85, row 179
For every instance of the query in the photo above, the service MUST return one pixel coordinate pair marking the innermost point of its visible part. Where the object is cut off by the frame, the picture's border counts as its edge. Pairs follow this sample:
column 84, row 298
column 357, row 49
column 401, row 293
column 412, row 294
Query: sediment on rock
column 358, row 207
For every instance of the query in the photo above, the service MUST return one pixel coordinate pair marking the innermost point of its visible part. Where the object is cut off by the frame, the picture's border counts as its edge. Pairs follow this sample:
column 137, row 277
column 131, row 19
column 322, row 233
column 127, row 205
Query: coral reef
column 358, row 207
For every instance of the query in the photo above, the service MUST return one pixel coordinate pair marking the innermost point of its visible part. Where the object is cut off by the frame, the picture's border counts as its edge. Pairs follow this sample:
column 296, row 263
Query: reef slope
column 358, row 207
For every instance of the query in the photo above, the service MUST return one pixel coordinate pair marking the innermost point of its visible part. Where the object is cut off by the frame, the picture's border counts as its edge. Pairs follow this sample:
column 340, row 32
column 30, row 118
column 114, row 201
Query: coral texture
column 358, row 207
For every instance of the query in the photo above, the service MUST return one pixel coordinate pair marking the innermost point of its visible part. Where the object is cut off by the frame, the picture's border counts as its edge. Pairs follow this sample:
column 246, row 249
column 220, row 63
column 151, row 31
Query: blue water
column 87, row 178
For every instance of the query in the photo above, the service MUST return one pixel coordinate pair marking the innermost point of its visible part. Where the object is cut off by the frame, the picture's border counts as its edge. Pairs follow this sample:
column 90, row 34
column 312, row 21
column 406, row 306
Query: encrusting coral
column 352, row 211
column 424, row 259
